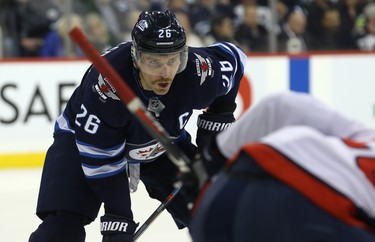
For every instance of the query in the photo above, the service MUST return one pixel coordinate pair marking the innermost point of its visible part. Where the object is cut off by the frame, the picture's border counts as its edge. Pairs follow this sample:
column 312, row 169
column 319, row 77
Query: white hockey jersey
column 326, row 156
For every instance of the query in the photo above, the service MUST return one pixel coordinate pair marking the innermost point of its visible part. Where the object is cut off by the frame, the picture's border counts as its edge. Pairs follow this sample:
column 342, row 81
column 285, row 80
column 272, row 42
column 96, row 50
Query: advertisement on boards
column 33, row 94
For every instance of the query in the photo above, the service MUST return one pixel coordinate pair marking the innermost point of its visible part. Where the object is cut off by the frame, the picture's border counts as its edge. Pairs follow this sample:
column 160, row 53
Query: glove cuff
column 210, row 124
column 113, row 224
column 215, row 122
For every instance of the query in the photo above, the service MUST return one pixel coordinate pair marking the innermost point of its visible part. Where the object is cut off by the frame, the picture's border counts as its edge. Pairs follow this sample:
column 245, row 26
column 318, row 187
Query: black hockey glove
column 211, row 157
column 210, row 124
column 205, row 165
column 117, row 228
column 191, row 183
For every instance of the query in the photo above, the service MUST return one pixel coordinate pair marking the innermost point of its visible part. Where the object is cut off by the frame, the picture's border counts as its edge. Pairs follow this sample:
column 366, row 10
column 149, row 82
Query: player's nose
column 165, row 71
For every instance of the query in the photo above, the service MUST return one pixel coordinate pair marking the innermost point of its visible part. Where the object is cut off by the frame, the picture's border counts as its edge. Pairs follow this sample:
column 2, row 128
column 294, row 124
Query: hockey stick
column 131, row 101
column 156, row 213
column 135, row 106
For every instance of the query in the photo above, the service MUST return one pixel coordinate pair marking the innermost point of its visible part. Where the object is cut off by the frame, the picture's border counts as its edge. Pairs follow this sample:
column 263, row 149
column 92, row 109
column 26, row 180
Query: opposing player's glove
column 117, row 228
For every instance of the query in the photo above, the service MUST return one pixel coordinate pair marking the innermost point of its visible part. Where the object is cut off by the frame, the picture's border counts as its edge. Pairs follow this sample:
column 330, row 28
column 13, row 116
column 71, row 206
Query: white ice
column 18, row 197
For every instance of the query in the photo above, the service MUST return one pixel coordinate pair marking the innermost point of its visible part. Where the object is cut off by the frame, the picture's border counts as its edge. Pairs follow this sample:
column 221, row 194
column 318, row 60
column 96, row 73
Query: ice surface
column 18, row 196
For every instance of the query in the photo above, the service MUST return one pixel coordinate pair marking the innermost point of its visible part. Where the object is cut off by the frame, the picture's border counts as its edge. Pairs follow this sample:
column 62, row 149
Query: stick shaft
column 156, row 213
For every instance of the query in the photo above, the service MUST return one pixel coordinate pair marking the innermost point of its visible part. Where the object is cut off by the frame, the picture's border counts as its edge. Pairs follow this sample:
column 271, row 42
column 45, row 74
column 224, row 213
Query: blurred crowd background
column 38, row 28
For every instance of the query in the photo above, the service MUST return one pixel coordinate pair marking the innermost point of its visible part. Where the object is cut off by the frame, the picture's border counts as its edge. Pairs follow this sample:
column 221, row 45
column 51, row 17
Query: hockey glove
column 211, row 157
column 190, row 185
column 210, row 124
column 117, row 228
column 203, row 167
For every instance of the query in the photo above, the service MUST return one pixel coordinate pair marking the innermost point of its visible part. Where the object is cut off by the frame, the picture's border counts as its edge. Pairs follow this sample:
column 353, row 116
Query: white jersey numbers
column 91, row 121
column 226, row 66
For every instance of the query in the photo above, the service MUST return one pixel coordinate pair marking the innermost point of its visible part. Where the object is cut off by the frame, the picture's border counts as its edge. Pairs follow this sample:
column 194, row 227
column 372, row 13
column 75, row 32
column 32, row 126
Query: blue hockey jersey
column 108, row 135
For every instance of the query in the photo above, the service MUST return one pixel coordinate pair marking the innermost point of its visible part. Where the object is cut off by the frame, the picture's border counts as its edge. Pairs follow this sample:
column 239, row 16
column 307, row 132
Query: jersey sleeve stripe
column 230, row 52
column 241, row 54
column 229, row 48
column 104, row 170
column 62, row 124
column 91, row 151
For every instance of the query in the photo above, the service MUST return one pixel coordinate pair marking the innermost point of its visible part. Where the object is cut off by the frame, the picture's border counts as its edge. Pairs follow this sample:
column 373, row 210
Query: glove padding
column 117, row 228
column 210, row 124
column 211, row 157
column 205, row 165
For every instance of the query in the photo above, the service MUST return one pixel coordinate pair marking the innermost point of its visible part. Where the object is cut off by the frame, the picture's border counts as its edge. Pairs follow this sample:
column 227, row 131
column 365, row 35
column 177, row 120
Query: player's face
column 158, row 71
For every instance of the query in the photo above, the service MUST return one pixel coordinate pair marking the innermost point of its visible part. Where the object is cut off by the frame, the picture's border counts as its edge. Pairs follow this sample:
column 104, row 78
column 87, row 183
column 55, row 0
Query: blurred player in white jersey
column 298, row 171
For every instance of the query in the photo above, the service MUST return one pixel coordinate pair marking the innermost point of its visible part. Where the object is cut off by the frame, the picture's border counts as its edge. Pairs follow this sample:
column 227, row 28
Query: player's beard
column 162, row 85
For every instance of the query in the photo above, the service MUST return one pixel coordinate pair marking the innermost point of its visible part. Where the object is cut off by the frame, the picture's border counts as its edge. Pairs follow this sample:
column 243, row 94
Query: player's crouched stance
column 101, row 151
column 299, row 172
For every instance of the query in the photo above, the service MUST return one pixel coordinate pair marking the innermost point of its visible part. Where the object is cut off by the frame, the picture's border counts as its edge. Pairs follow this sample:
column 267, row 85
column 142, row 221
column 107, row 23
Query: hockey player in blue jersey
column 98, row 144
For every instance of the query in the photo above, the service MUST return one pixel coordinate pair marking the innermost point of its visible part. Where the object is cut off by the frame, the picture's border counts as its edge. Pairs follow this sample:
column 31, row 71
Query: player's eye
column 173, row 61
column 154, row 63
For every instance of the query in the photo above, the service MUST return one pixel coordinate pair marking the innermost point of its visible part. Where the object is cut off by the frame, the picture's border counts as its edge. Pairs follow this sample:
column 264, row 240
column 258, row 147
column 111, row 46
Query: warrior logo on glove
column 113, row 226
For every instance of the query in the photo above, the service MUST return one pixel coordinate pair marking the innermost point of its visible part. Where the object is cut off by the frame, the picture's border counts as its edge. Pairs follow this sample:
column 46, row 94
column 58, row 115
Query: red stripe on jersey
column 315, row 190
column 355, row 144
